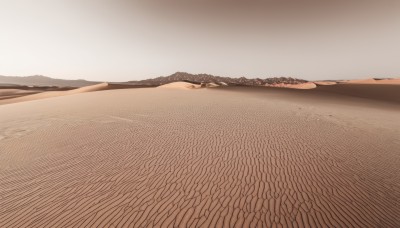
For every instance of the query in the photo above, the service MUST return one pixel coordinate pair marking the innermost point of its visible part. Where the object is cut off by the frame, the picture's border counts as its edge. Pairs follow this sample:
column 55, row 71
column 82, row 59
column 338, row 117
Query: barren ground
column 209, row 157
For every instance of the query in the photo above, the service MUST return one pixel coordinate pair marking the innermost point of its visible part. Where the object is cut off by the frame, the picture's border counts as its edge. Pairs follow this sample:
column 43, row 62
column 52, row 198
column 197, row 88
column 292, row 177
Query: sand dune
column 225, row 157
column 13, row 93
column 50, row 94
column 307, row 85
column 97, row 87
column 180, row 85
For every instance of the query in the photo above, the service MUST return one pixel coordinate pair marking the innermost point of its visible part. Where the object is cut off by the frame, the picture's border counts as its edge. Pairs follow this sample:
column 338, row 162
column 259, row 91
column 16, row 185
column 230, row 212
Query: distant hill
column 207, row 78
column 39, row 80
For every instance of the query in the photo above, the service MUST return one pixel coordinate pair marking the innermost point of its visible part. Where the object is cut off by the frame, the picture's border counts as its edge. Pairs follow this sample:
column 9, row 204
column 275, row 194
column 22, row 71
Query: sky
column 121, row 40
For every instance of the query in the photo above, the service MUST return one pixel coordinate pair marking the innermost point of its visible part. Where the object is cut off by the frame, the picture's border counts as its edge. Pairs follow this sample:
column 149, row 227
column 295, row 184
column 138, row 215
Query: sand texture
column 200, row 158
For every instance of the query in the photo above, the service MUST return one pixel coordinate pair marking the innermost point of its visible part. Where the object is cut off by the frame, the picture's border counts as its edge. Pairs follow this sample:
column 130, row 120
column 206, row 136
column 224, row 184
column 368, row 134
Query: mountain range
column 207, row 78
column 39, row 80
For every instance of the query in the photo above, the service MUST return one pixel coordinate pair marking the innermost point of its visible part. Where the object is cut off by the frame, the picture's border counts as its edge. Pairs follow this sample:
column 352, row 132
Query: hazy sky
column 119, row 40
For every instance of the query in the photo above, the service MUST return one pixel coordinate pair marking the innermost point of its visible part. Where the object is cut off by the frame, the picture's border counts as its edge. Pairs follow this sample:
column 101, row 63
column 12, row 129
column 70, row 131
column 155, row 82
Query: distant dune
column 12, row 93
column 180, row 85
column 393, row 81
column 210, row 80
column 187, row 85
column 307, row 85
column 325, row 83
column 384, row 89
column 41, row 95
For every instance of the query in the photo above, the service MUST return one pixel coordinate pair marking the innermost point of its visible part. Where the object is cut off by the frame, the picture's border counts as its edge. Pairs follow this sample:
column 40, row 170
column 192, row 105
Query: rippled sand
column 199, row 158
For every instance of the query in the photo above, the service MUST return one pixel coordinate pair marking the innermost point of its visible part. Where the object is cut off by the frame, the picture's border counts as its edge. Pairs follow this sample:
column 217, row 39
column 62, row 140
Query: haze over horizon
column 125, row 40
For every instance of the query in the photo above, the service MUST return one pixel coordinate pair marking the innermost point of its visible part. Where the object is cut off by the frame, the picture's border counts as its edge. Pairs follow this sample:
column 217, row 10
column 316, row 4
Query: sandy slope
column 13, row 93
column 210, row 158
column 7, row 92
column 50, row 94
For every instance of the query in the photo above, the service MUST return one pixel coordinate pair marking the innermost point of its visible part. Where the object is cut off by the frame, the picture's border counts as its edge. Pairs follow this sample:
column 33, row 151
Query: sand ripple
column 178, row 158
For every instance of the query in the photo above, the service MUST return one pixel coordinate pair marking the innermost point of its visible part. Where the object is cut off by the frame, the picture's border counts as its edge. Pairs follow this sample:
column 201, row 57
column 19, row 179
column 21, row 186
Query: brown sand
column 381, row 92
column 307, row 85
column 206, row 158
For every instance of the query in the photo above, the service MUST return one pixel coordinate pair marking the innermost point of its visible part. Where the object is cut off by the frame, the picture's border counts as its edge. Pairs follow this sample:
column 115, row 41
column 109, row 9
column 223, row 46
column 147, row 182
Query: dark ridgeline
column 42, row 81
column 207, row 78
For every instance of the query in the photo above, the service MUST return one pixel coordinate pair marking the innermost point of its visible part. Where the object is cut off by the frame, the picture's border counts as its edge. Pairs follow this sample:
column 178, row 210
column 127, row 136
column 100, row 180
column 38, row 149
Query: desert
column 200, row 113
column 183, row 155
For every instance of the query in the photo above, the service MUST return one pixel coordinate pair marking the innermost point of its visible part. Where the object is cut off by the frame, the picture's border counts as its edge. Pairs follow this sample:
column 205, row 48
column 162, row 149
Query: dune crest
column 180, row 85
column 307, row 85
column 91, row 88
